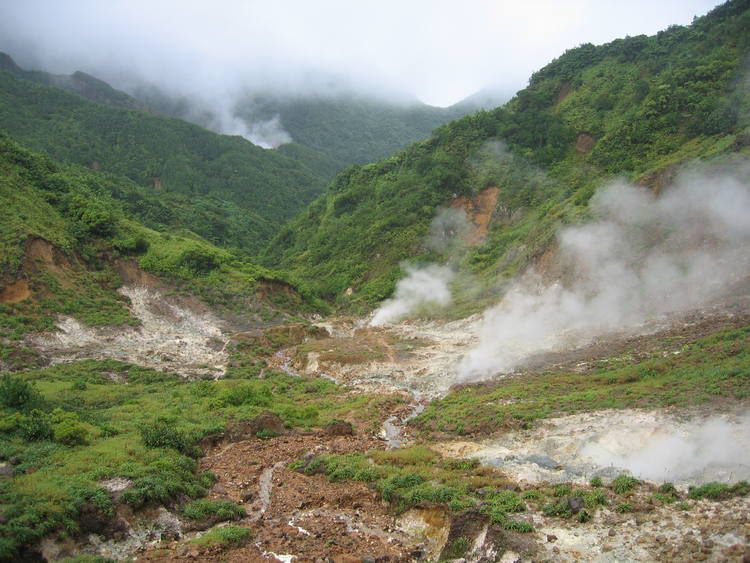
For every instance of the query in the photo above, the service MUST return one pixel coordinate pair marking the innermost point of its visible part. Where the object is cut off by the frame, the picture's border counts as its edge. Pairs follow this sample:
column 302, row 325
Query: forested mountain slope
column 350, row 128
column 632, row 107
column 225, row 188
column 79, row 83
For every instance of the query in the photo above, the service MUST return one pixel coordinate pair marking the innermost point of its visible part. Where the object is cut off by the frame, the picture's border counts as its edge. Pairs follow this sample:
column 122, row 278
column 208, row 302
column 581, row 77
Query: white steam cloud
column 639, row 257
column 268, row 134
column 715, row 448
column 448, row 232
column 422, row 287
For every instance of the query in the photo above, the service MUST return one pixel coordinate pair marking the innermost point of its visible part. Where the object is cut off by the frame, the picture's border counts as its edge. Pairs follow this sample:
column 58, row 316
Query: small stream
column 393, row 427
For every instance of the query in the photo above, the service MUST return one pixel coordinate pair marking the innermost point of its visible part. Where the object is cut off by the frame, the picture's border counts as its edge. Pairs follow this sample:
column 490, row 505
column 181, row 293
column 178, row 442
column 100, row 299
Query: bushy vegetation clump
column 719, row 491
column 217, row 510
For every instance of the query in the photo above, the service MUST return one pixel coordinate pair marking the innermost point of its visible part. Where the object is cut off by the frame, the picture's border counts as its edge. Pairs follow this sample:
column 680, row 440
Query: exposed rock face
column 479, row 210
column 15, row 292
column 186, row 340
column 656, row 446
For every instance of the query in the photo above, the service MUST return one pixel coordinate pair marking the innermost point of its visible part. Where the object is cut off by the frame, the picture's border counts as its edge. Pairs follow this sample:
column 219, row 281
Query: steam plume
column 714, row 447
column 421, row 287
column 448, row 232
column 639, row 257
column 268, row 134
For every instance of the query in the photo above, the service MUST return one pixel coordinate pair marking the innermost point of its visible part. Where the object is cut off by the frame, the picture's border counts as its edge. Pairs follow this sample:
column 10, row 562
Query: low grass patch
column 418, row 476
column 218, row 510
column 226, row 536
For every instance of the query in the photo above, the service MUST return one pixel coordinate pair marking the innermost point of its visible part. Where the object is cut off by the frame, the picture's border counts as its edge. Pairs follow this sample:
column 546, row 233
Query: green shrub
column 91, row 214
column 667, row 493
column 719, row 491
column 592, row 499
column 15, row 393
column 596, row 482
column 132, row 245
column 245, row 394
column 199, row 260
column 35, row 426
column 163, row 434
column 461, row 464
column 220, row 510
column 560, row 508
column 520, row 526
column 562, row 490
column 624, row 484
column 79, row 385
column 68, row 429
column 624, row 507
column 70, row 433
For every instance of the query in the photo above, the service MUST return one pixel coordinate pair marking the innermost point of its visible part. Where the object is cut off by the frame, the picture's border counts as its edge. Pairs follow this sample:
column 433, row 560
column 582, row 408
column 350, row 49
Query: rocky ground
column 300, row 517
column 182, row 337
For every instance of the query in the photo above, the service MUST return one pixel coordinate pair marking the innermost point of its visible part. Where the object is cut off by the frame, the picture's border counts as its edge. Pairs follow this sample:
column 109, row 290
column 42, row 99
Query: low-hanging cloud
column 639, row 257
column 422, row 287
column 425, row 48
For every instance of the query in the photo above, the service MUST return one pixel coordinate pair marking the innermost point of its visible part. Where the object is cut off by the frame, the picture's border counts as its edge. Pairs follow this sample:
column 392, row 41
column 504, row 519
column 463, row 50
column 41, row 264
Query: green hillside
column 227, row 189
column 64, row 230
column 632, row 107
column 79, row 83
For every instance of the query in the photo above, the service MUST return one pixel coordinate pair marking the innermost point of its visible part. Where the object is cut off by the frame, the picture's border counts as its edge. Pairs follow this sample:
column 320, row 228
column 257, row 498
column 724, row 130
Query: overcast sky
column 437, row 50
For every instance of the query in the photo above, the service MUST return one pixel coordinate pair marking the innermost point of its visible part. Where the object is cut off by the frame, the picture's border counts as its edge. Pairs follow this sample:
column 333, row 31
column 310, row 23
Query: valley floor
column 352, row 443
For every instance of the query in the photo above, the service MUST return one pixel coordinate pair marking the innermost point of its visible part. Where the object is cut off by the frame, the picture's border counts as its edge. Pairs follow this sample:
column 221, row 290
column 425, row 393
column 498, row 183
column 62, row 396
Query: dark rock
column 170, row 535
column 543, row 461
column 91, row 520
column 211, row 440
column 267, row 422
column 551, row 538
column 339, row 428
column 575, row 504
